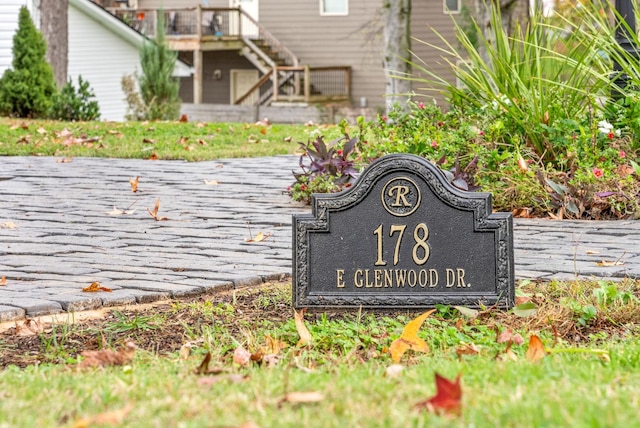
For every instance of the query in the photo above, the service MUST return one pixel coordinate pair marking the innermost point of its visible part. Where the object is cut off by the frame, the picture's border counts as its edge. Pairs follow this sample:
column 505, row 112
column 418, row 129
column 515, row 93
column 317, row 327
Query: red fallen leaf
column 447, row 400
column 536, row 350
column 184, row 118
column 153, row 156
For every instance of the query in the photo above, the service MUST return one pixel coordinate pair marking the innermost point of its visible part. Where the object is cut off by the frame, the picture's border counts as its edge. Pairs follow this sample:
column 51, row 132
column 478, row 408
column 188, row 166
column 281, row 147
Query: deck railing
column 206, row 24
column 301, row 84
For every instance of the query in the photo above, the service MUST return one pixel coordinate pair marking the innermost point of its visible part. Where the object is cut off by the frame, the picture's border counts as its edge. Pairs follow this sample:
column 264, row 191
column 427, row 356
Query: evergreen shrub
column 27, row 88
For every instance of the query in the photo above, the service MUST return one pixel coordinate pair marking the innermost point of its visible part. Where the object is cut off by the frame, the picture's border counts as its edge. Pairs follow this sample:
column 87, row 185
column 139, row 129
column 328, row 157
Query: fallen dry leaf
column 114, row 417
column 303, row 331
column 272, row 346
column 8, row 225
column 184, row 118
column 302, row 397
column 211, row 182
column 535, row 351
column 394, row 371
column 508, row 336
column 608, row 263
column 447, row 400
column 134, row 184
column 231, row 377
column 467, row 349
column 117, row 211
column 64, row 160
column 592, row 252
column 29, row 327
column 259, row 237
column 154, row 213
column 107, row 357
column 241, row 356
column 95, row 287
column 154, row 156
column 204, row 365
column 148, row 141
column 3, row 280
column 409, row 339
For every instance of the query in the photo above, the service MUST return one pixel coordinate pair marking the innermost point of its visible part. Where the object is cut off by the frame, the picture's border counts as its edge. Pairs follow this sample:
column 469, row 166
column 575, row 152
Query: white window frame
column 448, row 11
column 345, row 13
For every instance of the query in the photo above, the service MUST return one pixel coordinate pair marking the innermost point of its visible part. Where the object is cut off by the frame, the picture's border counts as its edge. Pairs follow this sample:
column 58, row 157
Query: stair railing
column 270, row 40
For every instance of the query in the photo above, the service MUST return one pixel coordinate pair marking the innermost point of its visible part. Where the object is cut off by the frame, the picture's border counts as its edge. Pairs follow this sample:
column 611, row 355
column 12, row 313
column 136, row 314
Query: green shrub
column 26, row 88
column 73, row 105
column 158, row 88
column 534, row 78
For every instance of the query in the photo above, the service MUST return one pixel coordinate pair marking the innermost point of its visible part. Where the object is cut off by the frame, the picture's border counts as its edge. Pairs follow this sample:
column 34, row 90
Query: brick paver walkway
column 58, row 232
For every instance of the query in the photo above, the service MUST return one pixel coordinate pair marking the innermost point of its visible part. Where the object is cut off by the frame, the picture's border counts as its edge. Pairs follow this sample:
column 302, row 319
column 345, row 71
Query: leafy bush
column 136, row 108
column 26, row 88
column 536, row 126
column 72, row 105
column 538, row 76
column 328, row 170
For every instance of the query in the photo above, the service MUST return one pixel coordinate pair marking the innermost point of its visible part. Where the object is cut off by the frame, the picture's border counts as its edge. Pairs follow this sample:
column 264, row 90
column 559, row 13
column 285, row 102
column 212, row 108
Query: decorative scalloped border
column 484, row 220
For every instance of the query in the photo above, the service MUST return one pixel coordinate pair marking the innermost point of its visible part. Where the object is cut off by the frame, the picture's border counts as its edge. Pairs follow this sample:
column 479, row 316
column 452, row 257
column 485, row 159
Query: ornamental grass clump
column 531, row 80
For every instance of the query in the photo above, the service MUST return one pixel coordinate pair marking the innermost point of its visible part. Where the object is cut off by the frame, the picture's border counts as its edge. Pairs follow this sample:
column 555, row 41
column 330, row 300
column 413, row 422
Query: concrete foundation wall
column 276, row 114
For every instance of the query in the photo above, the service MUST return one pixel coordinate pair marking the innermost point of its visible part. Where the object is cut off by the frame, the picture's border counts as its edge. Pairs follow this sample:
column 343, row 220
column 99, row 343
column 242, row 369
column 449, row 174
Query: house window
column 451, row 6
column 334, row 7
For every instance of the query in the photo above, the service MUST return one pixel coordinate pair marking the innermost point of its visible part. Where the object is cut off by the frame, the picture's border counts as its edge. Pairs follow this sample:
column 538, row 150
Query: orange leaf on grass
column 303, row 331
column 447, row 400
column 535, row 351
column 409, row 339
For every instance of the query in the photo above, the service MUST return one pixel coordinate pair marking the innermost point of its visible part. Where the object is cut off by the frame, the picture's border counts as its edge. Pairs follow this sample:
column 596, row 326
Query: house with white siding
column 102, row 49
column 9, row 10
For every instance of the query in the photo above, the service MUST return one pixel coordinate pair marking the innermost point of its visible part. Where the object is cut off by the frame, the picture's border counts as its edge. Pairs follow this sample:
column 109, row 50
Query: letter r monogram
column 400, row 193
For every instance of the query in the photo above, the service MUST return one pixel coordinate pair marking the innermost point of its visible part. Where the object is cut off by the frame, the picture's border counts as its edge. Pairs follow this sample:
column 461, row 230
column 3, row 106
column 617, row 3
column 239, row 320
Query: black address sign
column 402, row 237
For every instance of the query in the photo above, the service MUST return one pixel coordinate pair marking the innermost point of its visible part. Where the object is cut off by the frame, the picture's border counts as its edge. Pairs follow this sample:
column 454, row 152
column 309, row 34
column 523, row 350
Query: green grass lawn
column 590, row 375
column 193, row 141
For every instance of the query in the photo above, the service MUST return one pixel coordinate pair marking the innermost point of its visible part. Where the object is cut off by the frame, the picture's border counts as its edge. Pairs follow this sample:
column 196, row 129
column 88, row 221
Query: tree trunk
column 397, row 42
column 511, row 12
column 54, row 27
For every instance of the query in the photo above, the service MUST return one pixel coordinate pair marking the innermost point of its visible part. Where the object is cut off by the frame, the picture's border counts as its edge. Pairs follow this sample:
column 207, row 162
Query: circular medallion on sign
column 401, row 196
